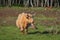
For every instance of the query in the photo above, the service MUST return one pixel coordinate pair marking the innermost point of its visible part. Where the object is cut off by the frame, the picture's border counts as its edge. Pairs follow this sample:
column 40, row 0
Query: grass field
column 45, row 20
column 13, row 33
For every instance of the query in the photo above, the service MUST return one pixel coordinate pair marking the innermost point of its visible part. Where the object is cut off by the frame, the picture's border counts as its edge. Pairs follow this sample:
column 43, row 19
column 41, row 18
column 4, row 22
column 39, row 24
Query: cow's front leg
column 22, row 30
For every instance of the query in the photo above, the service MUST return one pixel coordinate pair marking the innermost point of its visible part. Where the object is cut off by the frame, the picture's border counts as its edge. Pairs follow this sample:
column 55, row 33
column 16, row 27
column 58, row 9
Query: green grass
column 13, row 33
column 31, row 8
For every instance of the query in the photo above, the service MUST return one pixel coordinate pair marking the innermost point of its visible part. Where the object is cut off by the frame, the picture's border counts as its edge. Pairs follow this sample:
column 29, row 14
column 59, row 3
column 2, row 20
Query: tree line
column 30, row 3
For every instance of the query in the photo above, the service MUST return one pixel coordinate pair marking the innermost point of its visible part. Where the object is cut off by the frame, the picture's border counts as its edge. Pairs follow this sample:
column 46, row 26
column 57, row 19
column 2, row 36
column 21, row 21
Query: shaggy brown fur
column 23, row 22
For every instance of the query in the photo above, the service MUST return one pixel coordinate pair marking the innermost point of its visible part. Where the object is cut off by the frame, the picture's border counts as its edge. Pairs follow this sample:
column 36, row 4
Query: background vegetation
column 30, row 3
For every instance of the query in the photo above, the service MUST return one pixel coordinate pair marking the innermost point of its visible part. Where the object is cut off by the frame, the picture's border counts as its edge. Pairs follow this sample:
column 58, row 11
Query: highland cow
column 23, row 21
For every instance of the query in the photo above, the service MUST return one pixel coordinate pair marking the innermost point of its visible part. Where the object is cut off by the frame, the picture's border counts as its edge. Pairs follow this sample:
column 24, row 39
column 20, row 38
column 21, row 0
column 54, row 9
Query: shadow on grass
column 38, row 32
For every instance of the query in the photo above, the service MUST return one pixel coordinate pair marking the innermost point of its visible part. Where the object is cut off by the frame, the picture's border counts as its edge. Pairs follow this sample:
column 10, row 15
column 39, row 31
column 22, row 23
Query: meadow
column 47, row 21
